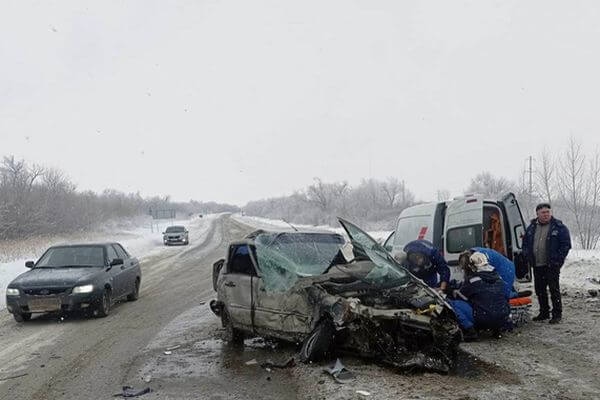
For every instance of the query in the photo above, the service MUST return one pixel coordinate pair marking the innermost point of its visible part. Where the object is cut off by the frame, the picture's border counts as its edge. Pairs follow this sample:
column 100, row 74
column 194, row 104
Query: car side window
column 111, row 253
column 121, row 251
column 240, row 261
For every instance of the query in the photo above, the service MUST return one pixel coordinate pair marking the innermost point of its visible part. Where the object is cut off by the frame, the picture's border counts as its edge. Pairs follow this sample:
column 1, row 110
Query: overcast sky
column 240, row 100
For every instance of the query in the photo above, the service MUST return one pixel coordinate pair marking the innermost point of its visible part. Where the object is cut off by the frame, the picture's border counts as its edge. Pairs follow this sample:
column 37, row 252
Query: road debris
column 168, row 353
column 252, row 362
column 363, row 392
column 593, row 280
column 129, row 391
column 173, row 347
column 147, row 378
column 12, row 377
column 289, row 363
column 339, row 373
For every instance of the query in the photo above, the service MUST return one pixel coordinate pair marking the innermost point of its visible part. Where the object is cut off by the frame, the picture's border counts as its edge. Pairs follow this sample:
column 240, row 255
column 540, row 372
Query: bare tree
column 392, row 189
column 488, row 185
column 443, row 194
column 592, row 227
column 545, row 176
column 579, row 185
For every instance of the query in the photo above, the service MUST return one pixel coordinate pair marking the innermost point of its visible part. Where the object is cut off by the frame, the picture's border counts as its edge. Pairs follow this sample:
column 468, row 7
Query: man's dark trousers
column 547, row 277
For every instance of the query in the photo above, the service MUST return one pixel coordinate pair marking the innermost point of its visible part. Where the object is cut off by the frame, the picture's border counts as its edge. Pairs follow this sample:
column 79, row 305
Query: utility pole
column 530, row 177
column 530, row 191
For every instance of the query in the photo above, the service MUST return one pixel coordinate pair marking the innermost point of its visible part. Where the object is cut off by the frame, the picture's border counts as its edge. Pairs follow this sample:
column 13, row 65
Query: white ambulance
column 464, row 222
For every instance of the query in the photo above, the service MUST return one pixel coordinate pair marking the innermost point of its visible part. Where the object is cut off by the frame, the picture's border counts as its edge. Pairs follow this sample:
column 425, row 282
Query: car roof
column 103, row 244
column 250, row 238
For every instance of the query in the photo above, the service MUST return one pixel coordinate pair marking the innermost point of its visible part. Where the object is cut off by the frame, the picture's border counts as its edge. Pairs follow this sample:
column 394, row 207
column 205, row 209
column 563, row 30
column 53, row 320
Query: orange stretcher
column 519, row 301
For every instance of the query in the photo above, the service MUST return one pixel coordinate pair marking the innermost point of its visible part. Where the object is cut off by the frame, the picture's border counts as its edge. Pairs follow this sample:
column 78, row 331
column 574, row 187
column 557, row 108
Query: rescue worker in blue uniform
column 424, row 261
column 503, row 266
column 481, row 303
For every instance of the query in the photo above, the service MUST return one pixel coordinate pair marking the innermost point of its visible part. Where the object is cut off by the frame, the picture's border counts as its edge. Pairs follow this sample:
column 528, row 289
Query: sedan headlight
column 83, row 289
column 12, row 292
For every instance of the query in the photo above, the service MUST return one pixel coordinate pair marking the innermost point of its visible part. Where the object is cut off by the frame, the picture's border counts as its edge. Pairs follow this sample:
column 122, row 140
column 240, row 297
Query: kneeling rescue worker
column 481, row 302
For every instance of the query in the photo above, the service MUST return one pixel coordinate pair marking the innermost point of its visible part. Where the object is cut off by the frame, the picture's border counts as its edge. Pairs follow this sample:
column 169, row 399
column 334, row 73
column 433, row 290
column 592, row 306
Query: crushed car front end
column 403, row 326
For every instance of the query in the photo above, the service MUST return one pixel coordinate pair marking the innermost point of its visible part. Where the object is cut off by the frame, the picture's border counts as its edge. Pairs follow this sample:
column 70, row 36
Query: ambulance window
column 463, row 238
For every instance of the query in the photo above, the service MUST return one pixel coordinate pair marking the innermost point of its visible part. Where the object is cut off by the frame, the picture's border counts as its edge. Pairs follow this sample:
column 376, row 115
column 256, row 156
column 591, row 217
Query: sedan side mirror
column 29, row 264
column 116, row 261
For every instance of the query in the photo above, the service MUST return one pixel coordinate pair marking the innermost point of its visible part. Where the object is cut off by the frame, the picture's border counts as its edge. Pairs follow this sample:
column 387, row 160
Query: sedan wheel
column 133, row 296
column 317, row 344
column 232, row 335
column 22, row 317
column 103, row 308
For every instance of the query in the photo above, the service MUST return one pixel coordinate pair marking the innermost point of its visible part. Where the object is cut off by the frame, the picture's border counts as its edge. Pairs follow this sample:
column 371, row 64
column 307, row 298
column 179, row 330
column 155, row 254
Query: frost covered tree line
column 373, row 203
column 39, row 201
column 568, row 179
column 36, row 201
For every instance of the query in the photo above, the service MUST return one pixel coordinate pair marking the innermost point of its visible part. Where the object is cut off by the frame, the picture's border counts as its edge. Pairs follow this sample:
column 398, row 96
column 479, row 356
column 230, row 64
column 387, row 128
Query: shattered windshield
column 284, row 257
column 387, row 271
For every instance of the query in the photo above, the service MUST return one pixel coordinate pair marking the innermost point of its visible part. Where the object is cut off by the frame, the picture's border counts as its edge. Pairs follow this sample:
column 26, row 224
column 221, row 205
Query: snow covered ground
column 140, row 238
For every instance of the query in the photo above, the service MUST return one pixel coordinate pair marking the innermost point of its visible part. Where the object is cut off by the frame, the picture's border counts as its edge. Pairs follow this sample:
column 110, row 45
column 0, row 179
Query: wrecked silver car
column 315, row 289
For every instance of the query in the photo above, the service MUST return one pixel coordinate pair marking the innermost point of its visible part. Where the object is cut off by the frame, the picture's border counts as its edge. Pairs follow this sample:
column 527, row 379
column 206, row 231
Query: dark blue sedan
column 84, row 277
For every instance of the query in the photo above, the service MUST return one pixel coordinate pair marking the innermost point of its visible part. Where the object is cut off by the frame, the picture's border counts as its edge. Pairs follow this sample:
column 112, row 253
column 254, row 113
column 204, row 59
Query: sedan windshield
column 387, row 271
column 175, row 229
column 284, row 257
column 72, row 256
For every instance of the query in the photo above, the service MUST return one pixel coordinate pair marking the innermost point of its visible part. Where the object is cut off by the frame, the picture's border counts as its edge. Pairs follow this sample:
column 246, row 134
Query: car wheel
column 103, row 308
column 133, row 296
column 22, row 317
column 317, row 344
column 232, row 335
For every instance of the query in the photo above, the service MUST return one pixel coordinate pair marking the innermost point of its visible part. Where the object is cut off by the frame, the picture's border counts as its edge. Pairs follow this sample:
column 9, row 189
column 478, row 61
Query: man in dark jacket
column 545, row 247
column 424, row 261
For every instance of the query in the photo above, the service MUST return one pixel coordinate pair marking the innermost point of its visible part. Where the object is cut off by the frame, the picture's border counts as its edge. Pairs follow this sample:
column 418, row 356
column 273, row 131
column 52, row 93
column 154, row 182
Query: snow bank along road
column 49, row 358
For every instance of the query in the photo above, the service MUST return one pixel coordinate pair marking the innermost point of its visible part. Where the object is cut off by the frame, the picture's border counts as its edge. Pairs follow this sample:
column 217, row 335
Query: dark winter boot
column 470, row 335
column 541, row 317
column 555, row 319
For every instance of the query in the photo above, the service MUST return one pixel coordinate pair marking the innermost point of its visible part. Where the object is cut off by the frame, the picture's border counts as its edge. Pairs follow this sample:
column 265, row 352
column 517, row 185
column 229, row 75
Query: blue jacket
column 558, row 243
column 504, row 267
column 438, row 264
column 485, row 292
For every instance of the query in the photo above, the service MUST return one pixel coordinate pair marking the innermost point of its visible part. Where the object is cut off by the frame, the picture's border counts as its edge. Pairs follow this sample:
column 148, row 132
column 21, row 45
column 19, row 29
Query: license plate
column 44, row 305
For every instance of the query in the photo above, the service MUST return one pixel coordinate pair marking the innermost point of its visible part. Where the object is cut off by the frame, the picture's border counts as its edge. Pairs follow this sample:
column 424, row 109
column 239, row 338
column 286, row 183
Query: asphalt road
column 75, row 358
column 78, row 357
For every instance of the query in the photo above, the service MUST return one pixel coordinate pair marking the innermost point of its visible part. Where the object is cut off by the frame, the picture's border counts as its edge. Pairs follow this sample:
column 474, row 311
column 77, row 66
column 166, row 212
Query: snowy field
column 141, row 238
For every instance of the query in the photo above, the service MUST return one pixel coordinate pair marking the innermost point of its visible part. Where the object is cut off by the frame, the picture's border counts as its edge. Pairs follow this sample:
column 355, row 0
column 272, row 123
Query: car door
column 115, row 272
column 516, row 229
column 130, row 268
column 286, row 312
column 237, row 285
column 463, row 226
